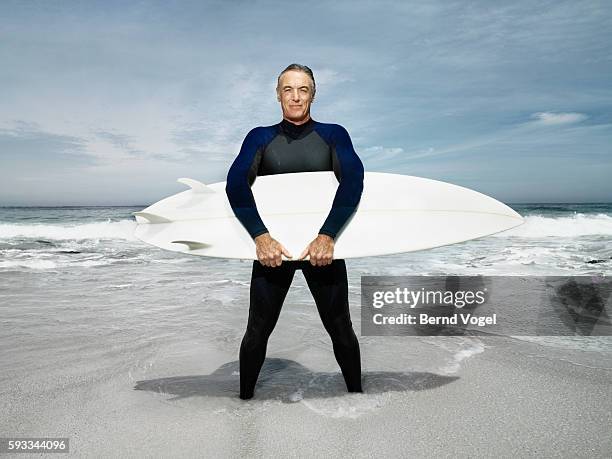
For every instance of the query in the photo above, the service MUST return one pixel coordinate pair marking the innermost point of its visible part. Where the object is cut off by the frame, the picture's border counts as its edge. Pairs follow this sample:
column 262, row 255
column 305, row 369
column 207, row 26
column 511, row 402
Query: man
column 297, row 144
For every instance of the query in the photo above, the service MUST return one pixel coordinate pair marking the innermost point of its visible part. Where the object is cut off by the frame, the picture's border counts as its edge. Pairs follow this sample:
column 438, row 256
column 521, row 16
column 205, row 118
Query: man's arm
column 238, row 188
column 350, row 188
column 241, row 175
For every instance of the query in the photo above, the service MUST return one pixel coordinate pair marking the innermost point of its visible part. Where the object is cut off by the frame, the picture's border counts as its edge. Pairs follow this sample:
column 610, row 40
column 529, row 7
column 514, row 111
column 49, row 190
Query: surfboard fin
column 193, row 245
column 152, row 218
column 195, row 185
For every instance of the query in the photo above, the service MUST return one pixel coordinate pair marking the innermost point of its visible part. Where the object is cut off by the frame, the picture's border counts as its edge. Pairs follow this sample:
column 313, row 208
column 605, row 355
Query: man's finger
column 314, row 259
column 304, row 253
column 285, row 252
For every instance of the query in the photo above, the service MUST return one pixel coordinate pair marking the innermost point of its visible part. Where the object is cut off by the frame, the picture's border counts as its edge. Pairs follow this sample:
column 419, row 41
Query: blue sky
column 109, row 103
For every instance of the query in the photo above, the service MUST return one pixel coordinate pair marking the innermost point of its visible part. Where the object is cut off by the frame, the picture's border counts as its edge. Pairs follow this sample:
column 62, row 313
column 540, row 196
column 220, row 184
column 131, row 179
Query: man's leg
column 269, row 287
column 329, row 287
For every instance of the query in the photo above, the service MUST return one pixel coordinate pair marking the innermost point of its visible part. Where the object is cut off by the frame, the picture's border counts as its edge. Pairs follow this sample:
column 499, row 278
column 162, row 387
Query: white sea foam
column 31, row 264
column 535, row 226
column 41, row 264
column 349, row 406
column 123, row 229
column 577, row 225
column 470, row 346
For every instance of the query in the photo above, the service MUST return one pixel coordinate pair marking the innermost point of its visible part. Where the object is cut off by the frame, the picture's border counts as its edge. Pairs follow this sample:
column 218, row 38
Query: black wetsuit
column 284, row 148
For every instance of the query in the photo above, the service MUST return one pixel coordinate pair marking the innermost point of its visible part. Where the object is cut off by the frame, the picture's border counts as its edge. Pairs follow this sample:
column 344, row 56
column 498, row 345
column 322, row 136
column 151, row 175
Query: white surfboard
column 397, row 213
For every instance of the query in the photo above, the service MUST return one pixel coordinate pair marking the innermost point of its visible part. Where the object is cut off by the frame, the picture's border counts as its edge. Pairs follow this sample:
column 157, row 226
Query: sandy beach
column 514, row 399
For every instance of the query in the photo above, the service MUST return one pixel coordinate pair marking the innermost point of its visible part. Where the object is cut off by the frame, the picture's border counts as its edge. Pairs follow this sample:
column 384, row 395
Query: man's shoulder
column 331, row 131
column 329, row 126
column 262, row 134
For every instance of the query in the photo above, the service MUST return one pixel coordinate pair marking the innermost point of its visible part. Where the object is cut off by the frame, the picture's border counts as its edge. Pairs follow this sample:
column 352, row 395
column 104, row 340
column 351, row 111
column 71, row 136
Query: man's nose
column 295, row 95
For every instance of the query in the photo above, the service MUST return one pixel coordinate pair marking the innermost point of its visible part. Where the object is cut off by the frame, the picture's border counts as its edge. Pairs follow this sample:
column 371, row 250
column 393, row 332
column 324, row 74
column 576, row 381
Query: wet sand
column 515, row 399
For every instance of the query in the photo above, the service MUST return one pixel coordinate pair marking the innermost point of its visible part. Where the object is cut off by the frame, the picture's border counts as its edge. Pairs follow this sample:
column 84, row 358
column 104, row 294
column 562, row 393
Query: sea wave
column 537, row 226
column 122, row 229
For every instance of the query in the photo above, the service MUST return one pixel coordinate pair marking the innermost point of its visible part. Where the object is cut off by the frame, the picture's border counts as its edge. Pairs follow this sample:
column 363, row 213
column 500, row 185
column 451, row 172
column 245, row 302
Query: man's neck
column 298, row 123
column 294, row 130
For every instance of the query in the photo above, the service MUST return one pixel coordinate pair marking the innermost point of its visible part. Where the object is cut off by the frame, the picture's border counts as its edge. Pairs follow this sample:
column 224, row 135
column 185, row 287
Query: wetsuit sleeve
column 350, row 187
column 238, row 185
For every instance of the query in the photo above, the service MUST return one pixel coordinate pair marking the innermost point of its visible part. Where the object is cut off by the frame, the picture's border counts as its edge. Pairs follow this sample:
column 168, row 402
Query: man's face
column 295, row 95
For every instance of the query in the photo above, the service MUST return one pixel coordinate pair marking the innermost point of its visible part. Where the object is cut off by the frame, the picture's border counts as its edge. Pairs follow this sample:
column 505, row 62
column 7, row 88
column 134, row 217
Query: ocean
column 81, row 298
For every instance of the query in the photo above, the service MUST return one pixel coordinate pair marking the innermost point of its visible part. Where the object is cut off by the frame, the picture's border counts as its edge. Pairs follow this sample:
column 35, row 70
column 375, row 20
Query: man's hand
column 270, row 251
column 321, row 251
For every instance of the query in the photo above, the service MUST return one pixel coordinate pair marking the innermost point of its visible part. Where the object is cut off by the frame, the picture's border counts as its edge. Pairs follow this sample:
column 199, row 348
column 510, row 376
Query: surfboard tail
column 193, row 245
column 151, row 217
column 195, row 185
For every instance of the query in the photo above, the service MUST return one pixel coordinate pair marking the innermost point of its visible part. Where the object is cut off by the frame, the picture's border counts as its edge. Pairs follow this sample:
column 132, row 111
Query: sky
column 109, row 103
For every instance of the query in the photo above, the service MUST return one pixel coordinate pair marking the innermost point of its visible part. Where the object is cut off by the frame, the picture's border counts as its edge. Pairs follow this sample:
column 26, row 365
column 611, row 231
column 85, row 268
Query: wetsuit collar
column 294, row 130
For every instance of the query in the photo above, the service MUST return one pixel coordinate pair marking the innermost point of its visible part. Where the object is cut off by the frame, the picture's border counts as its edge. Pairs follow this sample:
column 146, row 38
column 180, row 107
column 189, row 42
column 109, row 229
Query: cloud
column 328, row 77
column 121, row 148
column 554, row 119
column 116, row 139
column 114, row 91
column 379, row 153
column 26, row 143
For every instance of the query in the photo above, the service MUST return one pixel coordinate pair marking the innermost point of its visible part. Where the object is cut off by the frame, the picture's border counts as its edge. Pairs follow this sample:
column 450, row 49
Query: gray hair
column 299, row 68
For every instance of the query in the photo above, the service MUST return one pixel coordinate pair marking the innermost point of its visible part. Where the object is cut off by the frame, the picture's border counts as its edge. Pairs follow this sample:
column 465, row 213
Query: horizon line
column 147, row 205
